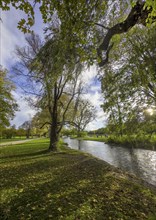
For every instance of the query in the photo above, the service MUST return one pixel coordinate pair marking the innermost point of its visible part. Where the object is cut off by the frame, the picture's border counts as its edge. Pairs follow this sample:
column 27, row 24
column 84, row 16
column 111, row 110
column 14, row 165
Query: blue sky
column 10, row 36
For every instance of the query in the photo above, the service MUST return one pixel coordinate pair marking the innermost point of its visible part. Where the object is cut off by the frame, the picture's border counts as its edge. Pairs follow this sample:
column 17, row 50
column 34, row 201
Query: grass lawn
column 68, row 185
column 12, row 139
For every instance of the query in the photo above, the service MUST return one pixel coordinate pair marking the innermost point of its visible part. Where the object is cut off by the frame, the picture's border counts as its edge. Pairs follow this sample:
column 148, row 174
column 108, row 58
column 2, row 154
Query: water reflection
column 137, row 161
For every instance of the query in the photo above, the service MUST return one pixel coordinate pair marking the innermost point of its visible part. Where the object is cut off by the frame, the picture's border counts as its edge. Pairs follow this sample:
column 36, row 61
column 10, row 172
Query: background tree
column 41, row 122
column 8, row 105
column 27, row 126
column 20, row 132
column 85, row 113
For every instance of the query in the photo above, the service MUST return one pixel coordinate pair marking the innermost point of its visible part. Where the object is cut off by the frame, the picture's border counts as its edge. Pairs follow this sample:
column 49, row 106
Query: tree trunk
column 53, row 137
column 78, row 133
column 53, row 129
column 28, row 133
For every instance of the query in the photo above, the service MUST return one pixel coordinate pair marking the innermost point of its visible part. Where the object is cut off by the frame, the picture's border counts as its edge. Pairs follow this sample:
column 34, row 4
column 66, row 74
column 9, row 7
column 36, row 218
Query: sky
column 10, row 36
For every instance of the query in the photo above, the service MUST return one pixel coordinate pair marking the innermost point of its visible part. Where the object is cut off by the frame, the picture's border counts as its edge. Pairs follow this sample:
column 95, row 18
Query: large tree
column 8, row 105
column 52, row 73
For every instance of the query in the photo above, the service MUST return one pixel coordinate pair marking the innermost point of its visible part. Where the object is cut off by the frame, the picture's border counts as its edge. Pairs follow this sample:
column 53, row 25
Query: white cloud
column 96, row 100
column 25, row 112
column 89, row 74
column 10, row 35
column 99, row 122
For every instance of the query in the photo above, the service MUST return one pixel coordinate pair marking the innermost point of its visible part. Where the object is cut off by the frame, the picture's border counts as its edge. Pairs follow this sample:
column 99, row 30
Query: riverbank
column 68, row 185
column 143, row 142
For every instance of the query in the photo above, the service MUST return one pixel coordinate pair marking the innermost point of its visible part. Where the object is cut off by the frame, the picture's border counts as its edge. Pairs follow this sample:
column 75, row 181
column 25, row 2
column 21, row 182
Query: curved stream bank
column 140, row 162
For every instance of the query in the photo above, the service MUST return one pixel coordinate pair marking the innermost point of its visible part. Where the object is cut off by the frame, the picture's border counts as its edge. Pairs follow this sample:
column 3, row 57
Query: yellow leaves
column 59, row 209
column 95, row 200
column 83, row 183
column 33, row 208
column 49, row 195
column 21, row 190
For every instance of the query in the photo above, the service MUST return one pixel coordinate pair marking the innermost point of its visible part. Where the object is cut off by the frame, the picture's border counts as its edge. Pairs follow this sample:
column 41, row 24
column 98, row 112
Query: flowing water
column 140, row 162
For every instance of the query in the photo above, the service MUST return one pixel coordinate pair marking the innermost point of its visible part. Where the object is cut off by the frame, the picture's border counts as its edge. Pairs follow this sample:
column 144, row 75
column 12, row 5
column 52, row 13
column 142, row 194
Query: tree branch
column 137, row 15
column 101, row 25
column 45, row 124
column 69, row 123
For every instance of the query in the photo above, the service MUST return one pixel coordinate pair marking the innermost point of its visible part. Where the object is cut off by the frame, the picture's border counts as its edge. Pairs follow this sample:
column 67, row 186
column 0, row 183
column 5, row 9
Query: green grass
column 68, row 185
column 12, row 139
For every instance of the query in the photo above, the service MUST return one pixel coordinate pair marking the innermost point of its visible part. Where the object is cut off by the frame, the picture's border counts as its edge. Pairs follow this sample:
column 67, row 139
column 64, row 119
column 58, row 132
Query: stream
column 140, row 162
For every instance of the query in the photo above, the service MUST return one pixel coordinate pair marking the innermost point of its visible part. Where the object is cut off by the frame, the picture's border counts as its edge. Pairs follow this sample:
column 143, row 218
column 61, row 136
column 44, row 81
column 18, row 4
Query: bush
column 140, row 140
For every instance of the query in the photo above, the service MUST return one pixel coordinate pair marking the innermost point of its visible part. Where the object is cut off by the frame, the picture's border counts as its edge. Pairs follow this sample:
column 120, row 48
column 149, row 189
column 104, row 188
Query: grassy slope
column 67, row 185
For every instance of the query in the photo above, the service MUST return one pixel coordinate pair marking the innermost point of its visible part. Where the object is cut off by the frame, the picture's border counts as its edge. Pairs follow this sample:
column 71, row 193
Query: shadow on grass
column 70, row 186
column 20, row 156
column 18, row 152
column 62, row 194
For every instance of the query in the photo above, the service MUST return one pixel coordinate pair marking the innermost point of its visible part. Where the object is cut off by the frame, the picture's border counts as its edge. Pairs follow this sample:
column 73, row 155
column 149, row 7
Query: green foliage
column 151, row 5
column 69, row 132
column 20, row 132
column 81, row 134
column 67, row 185
column 67, row 11
column 23, row 5
column 129, row 89
column 27, row 126
column 8, row 105
column 9, row 133
column 139, row 140
column 80, row 23
column 12, row 133
column 76, row 21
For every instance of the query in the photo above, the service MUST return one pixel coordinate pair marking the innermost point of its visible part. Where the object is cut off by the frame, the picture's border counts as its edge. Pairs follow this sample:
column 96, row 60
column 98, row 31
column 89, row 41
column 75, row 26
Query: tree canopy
column 88, row 25
column 129, row 86
column 8, row 105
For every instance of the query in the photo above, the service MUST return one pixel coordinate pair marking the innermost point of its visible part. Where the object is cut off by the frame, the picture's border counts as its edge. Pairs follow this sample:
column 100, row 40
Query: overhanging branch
column 137, row 15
